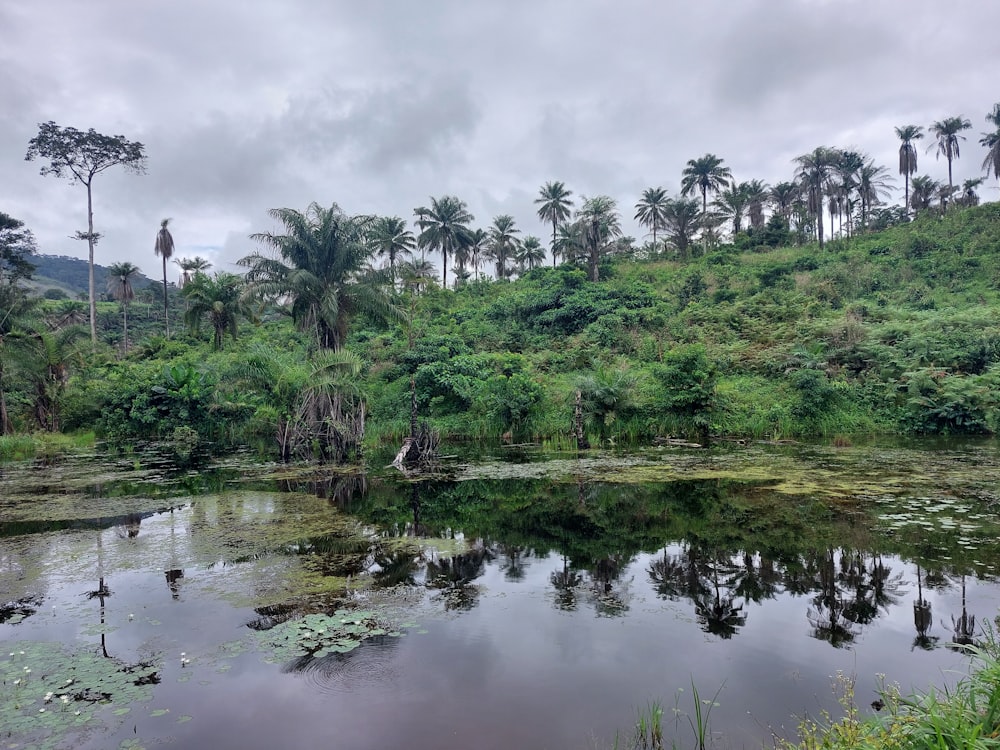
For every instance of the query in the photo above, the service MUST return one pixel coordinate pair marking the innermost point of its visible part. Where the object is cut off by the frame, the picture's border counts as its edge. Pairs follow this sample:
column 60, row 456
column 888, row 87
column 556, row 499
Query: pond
column 519, row 599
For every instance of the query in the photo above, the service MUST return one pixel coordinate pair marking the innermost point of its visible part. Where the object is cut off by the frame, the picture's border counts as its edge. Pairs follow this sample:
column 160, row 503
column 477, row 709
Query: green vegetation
column 836, row 315
column 894, row 331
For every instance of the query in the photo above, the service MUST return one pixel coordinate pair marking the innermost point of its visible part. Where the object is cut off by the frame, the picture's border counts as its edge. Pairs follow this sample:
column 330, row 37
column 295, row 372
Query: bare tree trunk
column 90, row 244
column 166, row 321
column 581, row 436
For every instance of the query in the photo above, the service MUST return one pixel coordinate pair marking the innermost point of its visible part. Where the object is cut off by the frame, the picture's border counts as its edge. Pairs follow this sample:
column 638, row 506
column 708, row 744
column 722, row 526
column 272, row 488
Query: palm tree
column 757, row 193
column 392, row 239
column 991, row 141
column 555, row 205
column 908, row 156
column 422, row 221
column 813, row 172
column 164, row 248
column 705, row 175
column 446, row 228
column 732, row 204
column 417, row 275
column 969, row 196
column 503, row 243
column 783, row 197
column 649, row 209
column 873, row 186
column 922, row 192
column 120, row 277
column 220, row 299
column 321, row 271
column 569, row 242
column 532, row 253
column 946, row 132
column 190, row 266
column 681, row 222
column 600, row 224
column 479, row 242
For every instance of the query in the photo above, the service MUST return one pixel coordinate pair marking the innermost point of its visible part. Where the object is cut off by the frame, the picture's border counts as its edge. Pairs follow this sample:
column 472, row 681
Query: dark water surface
column 527, row 601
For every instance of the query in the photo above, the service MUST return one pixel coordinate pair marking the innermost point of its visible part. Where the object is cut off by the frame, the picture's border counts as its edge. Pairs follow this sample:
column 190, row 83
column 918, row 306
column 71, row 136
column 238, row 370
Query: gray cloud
column 377, row 106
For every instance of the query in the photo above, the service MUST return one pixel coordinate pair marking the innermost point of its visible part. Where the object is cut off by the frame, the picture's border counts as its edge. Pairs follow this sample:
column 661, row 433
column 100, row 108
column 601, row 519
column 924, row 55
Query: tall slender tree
column 392, row 239
column 447, row 228
column 783, row 197
column 531, row 253
column 873, row 186
column 503, row 243
column 991, row 142
column 705, row 175
column 649, row 210
column 907, row 134
column 600, row 227
column 813, row 172
column 757, row 193
column 120, row 277
column 81, row 157
column 554, row 207
column 164, row 248
column 947, row 135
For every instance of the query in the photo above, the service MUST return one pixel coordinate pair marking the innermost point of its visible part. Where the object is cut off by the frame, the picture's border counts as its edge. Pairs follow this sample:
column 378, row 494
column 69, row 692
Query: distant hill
column 71, row 275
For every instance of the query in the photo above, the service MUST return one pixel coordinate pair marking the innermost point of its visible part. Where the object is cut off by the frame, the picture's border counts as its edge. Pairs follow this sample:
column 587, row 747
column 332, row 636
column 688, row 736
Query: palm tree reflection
column 964, row 626
column 922, row 618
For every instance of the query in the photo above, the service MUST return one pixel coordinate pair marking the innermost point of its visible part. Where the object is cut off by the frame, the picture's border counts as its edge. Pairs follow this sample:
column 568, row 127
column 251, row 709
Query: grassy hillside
column 889, row 332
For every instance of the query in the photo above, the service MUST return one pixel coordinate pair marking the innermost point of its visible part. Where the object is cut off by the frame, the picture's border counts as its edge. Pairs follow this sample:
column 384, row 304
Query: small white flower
column 64, row 698
column 21, row 653
column 17, row 682
column 27, row 671
column 131, row 616
column 76, row 713
column 41, row 710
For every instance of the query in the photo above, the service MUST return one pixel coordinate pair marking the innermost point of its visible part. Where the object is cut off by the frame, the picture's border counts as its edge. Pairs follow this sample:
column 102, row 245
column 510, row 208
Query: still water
column 521, row 599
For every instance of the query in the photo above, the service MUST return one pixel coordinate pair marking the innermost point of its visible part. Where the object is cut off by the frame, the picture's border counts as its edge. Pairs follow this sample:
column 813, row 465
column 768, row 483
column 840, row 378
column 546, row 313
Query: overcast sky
column 246, row 105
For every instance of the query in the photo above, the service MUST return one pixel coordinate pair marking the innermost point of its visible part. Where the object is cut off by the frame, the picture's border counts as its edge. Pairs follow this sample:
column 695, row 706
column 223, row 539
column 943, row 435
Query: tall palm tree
column 681, row 222
column 922, row 192
column 783, row 197
column 991, row 142
column 321, row 270
column 554, row 207
column 873, row 186
column 191, row 266
column 392, row 239
column 907, row 134
column 813, row 172
column 503, row 243
column 757, row 193
column 531, row 253
column 947, row 136
column 843, row 184
column 164, row 248
column 705, row 175
column 479, row 242
column 447, row 228
column 422, row 214
column 649, row 209
column 601, row 226
column 218, row 298
column 120, row 277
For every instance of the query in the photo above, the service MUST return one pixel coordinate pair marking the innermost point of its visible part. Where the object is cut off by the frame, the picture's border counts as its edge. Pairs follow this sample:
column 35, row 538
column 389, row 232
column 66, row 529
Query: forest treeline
column 808, row 307
column 315, row 351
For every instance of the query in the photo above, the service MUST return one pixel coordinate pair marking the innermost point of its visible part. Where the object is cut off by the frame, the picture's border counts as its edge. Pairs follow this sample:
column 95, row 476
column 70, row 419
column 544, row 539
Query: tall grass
column 964, row 716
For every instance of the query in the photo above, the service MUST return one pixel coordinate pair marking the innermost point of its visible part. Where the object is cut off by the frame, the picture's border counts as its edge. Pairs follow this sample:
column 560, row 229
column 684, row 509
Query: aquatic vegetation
column 49, row 692
column 319, row 635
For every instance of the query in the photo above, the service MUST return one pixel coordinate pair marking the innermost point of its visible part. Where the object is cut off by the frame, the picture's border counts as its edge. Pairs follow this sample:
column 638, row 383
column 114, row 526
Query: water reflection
column 717, row 545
